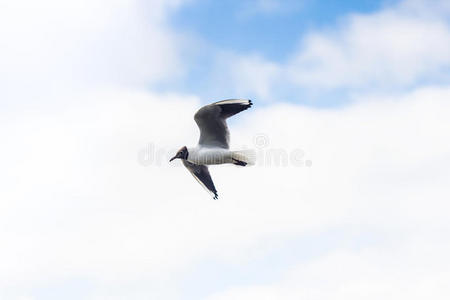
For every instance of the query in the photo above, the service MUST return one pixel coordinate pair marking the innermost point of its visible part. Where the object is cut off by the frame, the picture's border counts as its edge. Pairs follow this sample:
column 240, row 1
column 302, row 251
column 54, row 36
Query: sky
column 349, row 195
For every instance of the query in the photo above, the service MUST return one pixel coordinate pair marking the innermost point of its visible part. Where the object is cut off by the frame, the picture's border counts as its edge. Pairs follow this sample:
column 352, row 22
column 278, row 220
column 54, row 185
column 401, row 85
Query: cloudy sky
column 349, row 198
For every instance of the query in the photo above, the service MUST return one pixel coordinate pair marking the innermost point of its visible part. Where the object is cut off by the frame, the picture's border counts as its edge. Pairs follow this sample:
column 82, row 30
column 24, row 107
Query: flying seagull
column 213, row 145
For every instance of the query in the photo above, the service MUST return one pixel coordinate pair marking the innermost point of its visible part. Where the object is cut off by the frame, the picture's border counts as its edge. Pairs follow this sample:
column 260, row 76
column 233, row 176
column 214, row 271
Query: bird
column 213, row 146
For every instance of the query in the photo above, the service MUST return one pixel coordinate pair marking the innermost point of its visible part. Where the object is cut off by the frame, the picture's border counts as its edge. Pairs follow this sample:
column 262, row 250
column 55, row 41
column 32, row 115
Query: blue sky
column 243, row 27
column 360, row 89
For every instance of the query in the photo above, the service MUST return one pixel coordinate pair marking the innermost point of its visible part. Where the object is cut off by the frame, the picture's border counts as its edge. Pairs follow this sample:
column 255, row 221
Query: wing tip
column 248, row 104
column 234, row 101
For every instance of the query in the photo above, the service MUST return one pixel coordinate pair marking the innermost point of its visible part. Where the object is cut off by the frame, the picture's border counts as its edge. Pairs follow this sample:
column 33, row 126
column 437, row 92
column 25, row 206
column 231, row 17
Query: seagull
column 213, row 145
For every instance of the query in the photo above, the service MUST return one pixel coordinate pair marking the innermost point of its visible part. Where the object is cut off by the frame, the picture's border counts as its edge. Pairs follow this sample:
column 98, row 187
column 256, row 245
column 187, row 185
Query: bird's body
column 209, row 155
column 213, row 145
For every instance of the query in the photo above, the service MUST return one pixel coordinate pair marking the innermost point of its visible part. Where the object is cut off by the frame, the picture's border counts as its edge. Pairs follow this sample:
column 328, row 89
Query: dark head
column 182, row 154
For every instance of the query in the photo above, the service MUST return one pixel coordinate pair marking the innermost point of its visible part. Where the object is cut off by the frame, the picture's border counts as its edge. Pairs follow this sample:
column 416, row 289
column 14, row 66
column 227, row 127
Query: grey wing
column 211, row 120
column 201, row 174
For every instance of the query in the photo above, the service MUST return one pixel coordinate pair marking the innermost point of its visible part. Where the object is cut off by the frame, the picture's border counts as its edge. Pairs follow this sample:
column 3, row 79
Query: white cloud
column 413, row 270
column 250, row 74
column 392, row 49
column 50, row 46
column 76, row 202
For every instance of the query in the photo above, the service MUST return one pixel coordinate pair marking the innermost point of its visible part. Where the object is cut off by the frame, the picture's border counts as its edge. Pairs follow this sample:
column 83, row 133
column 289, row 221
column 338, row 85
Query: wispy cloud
column 394, row 49
column 254, row 8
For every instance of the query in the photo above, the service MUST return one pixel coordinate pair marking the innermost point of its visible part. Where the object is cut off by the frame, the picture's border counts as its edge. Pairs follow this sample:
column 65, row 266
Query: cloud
column 409, row 271
column 50, row 46
column 91, row 211
column 391, row 48
column 247, row 75
column 394, row 49
column 267, row 7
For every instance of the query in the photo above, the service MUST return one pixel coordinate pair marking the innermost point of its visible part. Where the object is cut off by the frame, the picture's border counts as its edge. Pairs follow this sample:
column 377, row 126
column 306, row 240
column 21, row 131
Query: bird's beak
column 173, row 158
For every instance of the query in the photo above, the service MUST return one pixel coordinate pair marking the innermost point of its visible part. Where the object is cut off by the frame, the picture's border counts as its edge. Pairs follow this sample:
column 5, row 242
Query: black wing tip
column 248, row 104
column 216, row 196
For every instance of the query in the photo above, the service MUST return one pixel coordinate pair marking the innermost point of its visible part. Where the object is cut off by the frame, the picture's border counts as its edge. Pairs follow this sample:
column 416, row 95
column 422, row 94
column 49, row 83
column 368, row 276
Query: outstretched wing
column 201, row 174
column 211, row 120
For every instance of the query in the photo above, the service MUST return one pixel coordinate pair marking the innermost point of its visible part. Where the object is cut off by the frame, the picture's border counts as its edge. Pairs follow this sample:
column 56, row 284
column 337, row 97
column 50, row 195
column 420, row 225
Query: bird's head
column 182, row 154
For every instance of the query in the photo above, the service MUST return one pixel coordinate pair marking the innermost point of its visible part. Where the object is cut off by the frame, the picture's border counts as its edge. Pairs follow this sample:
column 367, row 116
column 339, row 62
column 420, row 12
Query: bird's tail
column 244, row 157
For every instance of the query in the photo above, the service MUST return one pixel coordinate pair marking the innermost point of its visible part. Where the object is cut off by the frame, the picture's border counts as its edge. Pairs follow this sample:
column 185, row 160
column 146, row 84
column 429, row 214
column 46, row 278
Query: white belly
column 209, row 156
